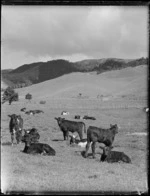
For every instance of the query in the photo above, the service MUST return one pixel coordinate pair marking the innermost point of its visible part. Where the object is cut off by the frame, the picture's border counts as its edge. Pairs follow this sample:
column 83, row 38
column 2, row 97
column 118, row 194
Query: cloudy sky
column 42, row 33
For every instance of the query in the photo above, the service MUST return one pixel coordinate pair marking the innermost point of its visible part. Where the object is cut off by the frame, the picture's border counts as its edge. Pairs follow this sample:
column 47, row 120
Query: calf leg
column 93, row 149
column 87, row 148
column 67, row 135
column 12, row 139
column 80, row 135
column 18, row 136
column 64, row 134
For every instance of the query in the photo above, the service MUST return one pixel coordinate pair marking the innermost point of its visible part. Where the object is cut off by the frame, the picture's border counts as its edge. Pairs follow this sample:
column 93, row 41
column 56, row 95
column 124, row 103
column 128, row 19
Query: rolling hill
column 29, row 74
column 131, row 81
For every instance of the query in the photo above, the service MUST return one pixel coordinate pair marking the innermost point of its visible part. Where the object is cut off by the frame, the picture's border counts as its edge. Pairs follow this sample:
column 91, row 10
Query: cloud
column 74, row 31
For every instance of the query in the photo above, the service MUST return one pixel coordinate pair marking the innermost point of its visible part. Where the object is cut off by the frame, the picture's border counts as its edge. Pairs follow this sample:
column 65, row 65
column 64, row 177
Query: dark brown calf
column 72, row 126
column 105, row 136
column 114, row 156
column 36, row 148
column 89, row 117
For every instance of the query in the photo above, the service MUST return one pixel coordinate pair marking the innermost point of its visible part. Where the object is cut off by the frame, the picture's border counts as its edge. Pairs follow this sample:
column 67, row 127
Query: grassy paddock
column 68, row 170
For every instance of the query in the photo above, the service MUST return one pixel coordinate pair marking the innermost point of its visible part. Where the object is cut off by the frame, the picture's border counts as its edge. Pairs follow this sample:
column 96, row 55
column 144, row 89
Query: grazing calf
column 72, row 126
column 64, row 113
column 89, row 117
column 36, row 148
column 114, row 156
column 73, row 140
column 35, row 136
column 16, row 127
column 105, row 136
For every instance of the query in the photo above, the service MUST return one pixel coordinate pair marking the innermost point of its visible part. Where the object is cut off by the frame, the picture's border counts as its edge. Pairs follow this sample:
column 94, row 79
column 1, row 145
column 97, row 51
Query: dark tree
column 10, row 95
column 28, row 96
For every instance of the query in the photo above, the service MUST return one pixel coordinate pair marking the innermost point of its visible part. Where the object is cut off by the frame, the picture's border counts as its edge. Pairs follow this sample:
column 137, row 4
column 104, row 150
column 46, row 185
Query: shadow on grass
column 89, row 155
column 57, row 140
column 94, row 176
column 7, row 144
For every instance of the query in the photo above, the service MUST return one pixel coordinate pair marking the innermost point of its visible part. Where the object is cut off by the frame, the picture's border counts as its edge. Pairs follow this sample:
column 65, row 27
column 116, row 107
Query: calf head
column 12, row 116
column 59, row 120
column 13, row 120
column 114, row 128
column 31, row 135
column 26, row 139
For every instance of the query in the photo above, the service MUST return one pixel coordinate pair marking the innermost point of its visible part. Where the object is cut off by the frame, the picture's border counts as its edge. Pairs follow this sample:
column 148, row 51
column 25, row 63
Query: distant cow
column 77, row 117
column 16, row 127
column 72, row 126
column 34, row 135
column 64, row 113
column 23, row 109
column 29, row 112
column 105, row 136
column 74, row 140
column 33, row 112
column 38, row 111
column 89, row 117
column 114, row 156
column 36, row 148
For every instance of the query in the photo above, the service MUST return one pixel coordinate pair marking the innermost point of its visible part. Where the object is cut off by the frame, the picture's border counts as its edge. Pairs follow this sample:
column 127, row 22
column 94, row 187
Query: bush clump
column 10, row 95
column 28, row 96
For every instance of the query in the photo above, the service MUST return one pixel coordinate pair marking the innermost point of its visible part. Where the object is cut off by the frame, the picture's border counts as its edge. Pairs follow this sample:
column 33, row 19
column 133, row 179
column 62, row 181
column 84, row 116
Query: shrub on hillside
column 28, row 96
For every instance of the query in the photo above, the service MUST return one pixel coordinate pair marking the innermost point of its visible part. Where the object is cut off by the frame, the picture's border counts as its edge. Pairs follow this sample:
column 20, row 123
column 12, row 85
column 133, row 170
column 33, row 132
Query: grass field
column 68, row 170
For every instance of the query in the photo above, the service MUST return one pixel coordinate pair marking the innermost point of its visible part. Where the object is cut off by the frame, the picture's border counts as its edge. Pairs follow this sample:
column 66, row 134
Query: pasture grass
column 69, row 170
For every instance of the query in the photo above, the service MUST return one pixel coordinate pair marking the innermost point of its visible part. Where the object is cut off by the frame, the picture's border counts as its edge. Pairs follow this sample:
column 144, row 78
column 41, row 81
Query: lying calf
column 114, row 156
column 81, row 143
column 36, row 148
column 89, row 117
column 33, row 112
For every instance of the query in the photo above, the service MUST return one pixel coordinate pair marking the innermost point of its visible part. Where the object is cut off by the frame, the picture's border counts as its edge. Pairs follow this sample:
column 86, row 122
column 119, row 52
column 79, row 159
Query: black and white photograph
column 74, row 99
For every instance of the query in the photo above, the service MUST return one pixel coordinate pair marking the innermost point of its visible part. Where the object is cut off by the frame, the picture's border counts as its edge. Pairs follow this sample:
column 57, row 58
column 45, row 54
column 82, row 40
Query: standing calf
column 72, row 126
column 105, row 136
column 15, row 127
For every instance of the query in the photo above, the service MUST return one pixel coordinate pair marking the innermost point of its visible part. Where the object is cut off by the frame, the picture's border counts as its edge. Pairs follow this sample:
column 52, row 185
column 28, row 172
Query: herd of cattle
column 94, row 134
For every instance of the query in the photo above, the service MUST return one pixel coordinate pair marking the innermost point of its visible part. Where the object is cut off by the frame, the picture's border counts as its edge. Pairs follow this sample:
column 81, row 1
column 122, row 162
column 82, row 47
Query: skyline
column 43, row 33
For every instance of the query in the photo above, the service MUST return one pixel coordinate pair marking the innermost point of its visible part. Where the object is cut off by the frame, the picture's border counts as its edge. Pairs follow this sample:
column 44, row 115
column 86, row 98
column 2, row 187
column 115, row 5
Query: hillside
column 126, row 82
column 29, row 74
